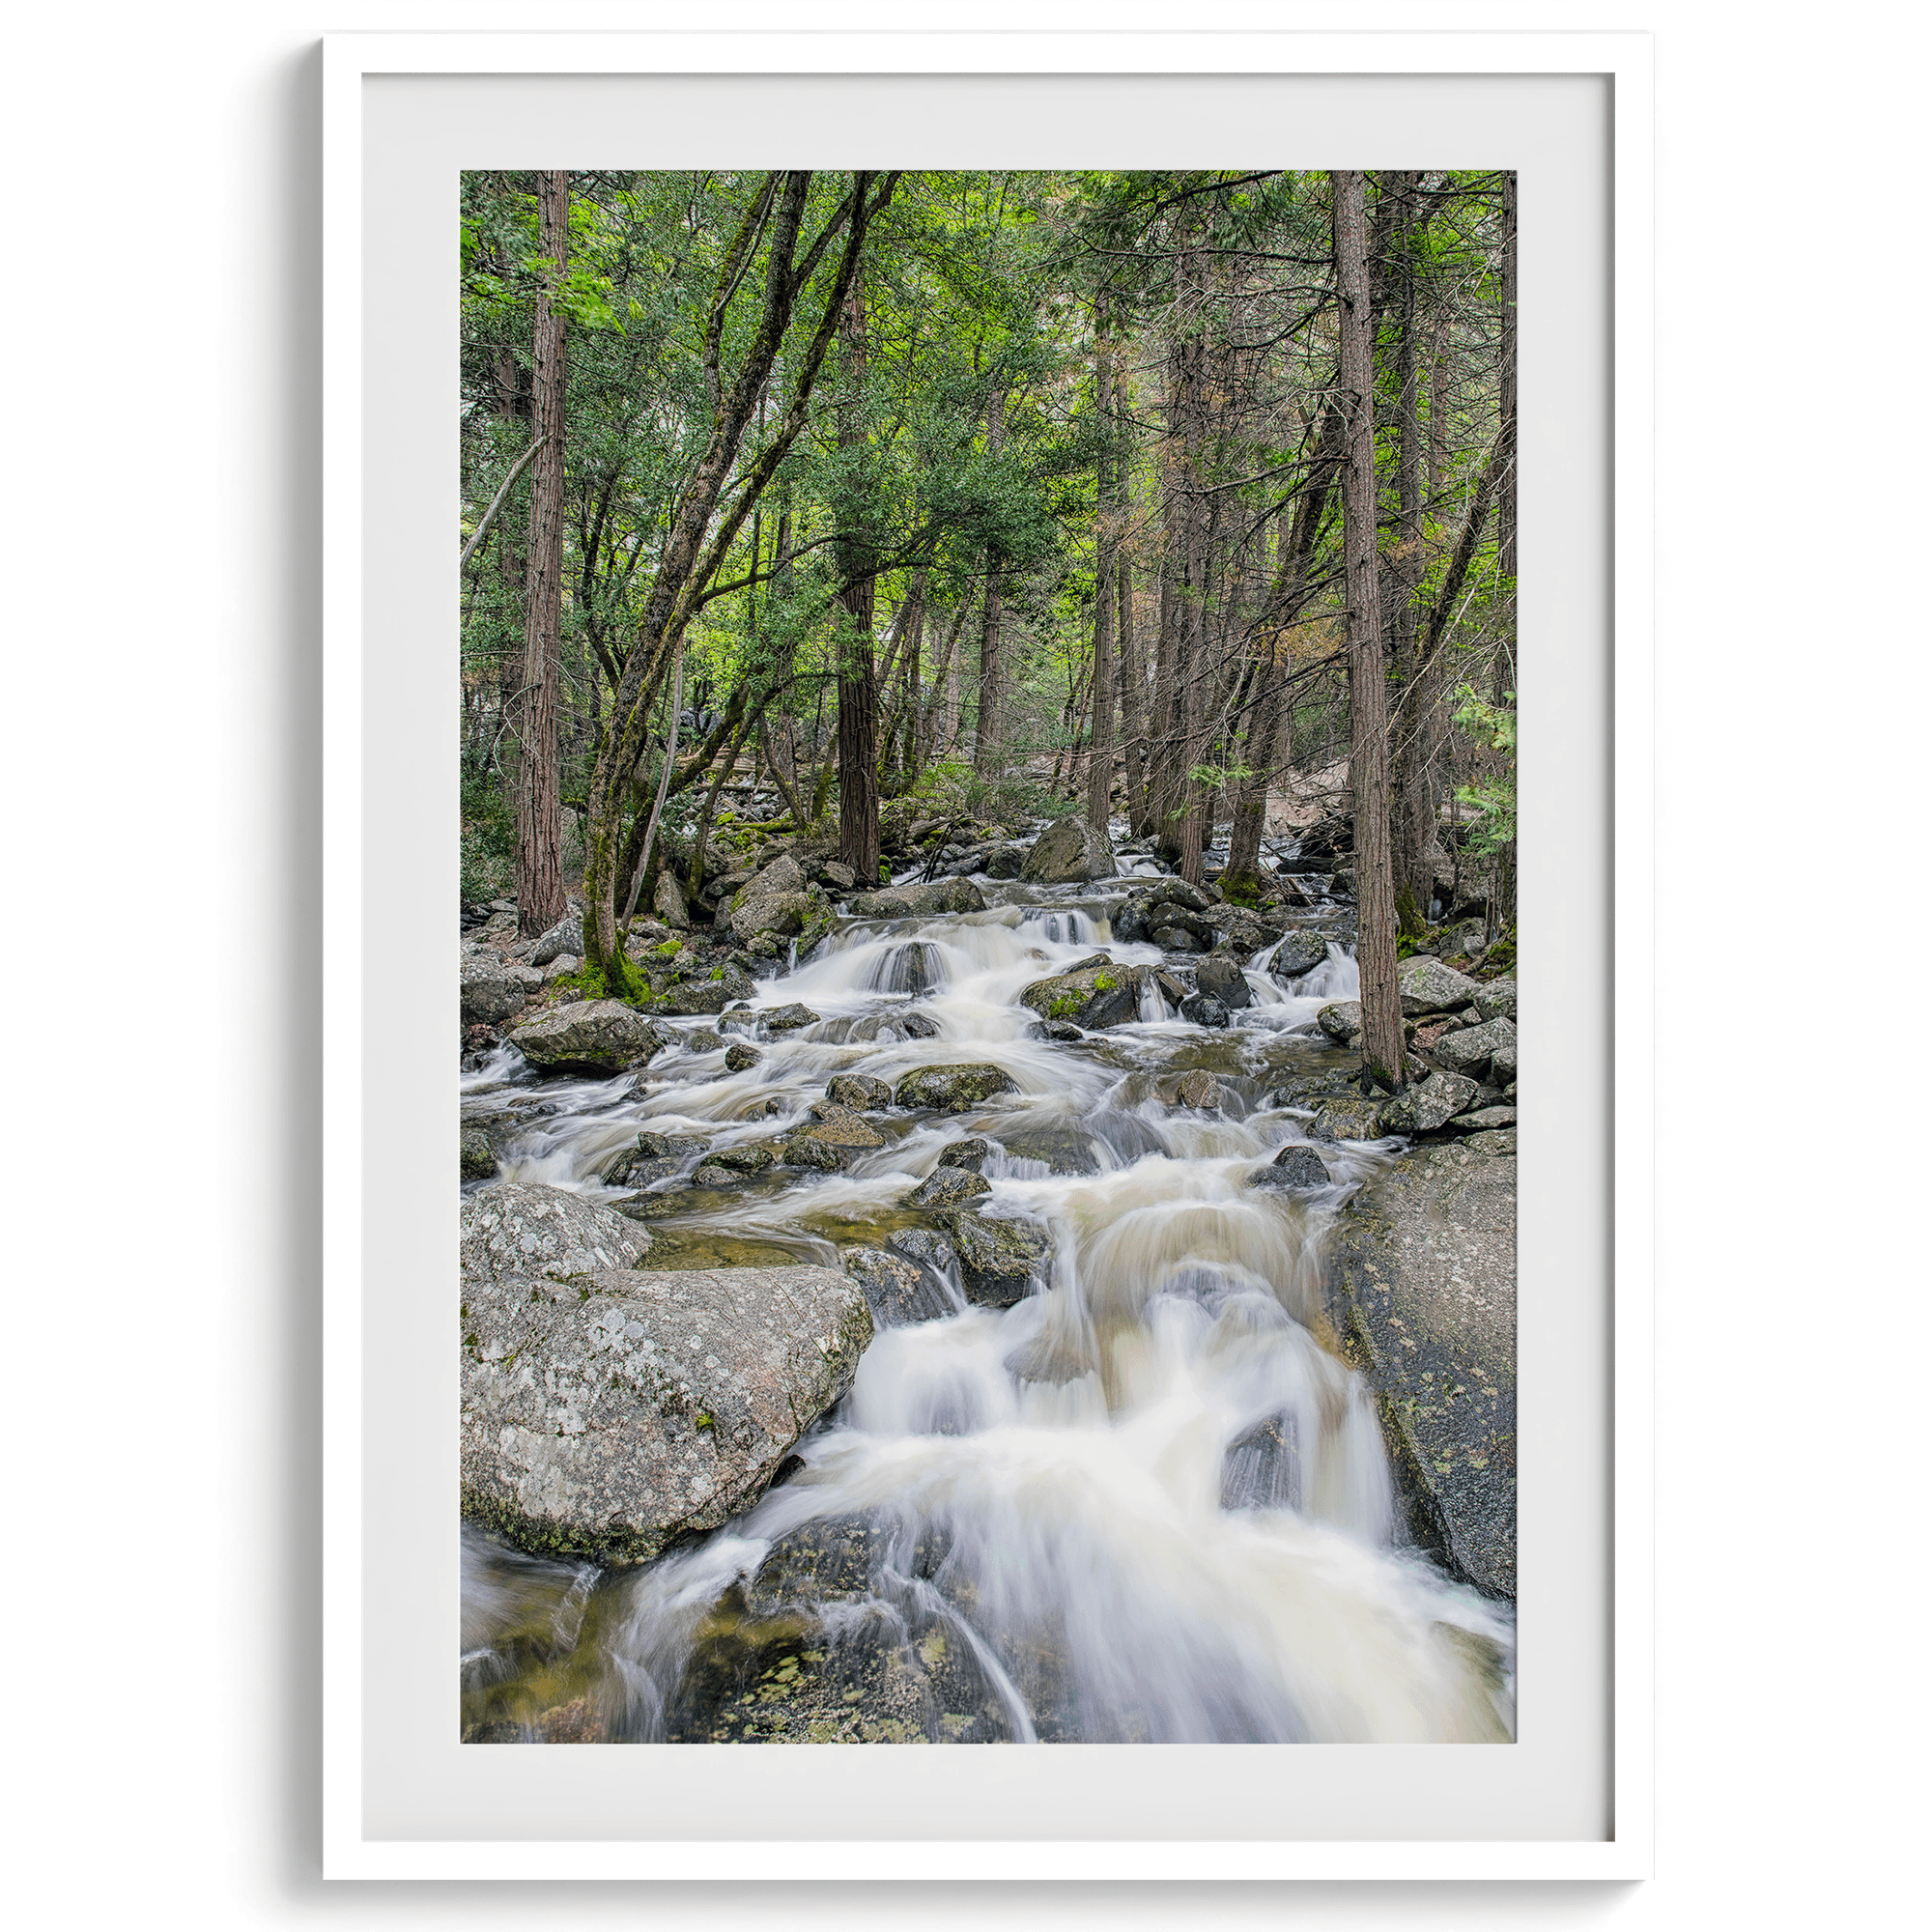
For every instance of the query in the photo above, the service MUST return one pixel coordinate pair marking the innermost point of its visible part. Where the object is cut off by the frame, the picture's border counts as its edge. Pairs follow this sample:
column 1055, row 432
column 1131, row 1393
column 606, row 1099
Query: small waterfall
column 1143, row 1503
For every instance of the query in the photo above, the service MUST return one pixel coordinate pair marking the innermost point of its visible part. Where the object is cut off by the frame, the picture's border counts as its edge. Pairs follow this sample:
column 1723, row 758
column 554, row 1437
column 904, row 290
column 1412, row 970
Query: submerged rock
column 1069, row 852
column 1423, row 1278
column 605, row 1418
column 786, row 1019
column 952, row 1090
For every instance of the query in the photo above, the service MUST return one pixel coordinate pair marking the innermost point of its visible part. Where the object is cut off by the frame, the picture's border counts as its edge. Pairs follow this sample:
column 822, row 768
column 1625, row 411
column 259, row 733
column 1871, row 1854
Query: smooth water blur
column 1162, row 1495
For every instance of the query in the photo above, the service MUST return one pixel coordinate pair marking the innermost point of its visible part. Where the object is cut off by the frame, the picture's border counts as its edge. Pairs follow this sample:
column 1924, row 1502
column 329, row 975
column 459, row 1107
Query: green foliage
column 489, row 840
column 1492, row 798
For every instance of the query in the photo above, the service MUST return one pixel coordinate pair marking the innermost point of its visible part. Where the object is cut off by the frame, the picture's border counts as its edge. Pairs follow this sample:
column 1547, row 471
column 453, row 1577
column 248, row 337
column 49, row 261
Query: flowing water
column 1150, row 1502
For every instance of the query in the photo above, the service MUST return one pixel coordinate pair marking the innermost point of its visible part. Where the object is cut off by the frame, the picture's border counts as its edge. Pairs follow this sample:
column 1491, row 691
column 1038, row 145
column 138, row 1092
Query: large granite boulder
column 1349, row 1118
column 493, row 989
column 586, row 1036
column 524, row 1229
column 693, row 999
column 1090, row 996
column 1423, row 1281
column 1496, row 1000
column 1427, row 986
column 607, row 1415
column 1069, row 852
column 667, row 901
column 1342, row 1021
column 1471, row 1049
column 952, row 1090
column 778, row 904
column 919, row 901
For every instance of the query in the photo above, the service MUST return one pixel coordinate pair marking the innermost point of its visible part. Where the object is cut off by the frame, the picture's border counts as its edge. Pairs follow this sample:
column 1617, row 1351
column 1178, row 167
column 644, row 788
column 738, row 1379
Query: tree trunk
column 1101, row 736
column 1369, row 750
column 858, row 682
column 987, row 730
column 1133, row 702
column 1502, row 909
column 539, row 810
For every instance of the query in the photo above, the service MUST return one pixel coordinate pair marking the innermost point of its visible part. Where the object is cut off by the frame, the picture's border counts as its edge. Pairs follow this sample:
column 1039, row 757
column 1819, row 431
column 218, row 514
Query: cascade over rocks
column 1297, row 1165
column 1297, row 953
column 998, row 1260
column 1423, row 1278
column 1224, row 980
column 1069, row 852
column 604, row 1417
column 899, row 1290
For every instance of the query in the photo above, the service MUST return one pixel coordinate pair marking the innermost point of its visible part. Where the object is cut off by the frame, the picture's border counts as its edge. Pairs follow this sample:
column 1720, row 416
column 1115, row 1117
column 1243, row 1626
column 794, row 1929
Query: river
column 1150, row 1502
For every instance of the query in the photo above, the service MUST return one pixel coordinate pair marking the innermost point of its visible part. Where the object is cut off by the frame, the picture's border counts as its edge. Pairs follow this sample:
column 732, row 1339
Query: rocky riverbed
column 985, row 1309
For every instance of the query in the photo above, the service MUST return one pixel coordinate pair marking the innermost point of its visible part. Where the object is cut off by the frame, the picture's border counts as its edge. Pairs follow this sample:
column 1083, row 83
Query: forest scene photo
column 988, row 902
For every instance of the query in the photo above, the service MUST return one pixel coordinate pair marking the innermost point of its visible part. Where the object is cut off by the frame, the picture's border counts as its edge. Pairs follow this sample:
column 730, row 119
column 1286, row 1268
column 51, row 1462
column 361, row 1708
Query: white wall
column 161, row 462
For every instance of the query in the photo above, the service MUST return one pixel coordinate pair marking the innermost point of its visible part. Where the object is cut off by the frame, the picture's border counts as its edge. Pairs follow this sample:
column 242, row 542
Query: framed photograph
column 1047, row 632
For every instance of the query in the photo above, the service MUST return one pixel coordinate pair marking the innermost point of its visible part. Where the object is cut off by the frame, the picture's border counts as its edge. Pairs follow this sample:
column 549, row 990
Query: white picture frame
column 367, row 797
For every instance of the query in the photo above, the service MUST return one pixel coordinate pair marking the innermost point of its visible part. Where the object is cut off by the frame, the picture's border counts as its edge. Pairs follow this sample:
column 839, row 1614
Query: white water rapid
column 1149, row 1502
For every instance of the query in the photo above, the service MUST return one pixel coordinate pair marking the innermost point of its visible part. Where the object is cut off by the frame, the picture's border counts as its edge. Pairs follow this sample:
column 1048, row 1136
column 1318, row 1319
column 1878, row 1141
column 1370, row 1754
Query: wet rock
column 1177, row 939
column 689, row 999
column 709, row 1174
column 1089, row 997
column 479, row 1157
column 952, row 1090
column 1063, row 1031
column 947, row 1187
column 742, row 1160
column 1423, row 1278
column 910, row 901
column 1261, row 1469
column 1180, row 893
column 586, row 1036
column 969, row 1154
column 635, row 1169
column 922, row 1245
column 529, row 1231
column 741, row 1058
column 1469, row 1049
column 858, row 1091
column 915, row 967
column 633, row 1408
column 1069, row 852
column 1297, row 953
column 1203, row 1009
column 897, row 1290
column 657, row 1037
column 1297, row 1165
column 831, row 1146
column 1349, row 1119
column 1172, row 990
column 671, row 1147
column 1223, row 979
column 1430, row 1104
column 1198, row 1089
column 1482, row 1119
column 787, row 1019
column 1427, row 986
column 1342, row 1022
column 998, row 1260
column 494, row 989
column 1497, row 1001
column 916, row 1026
column 565, row 936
